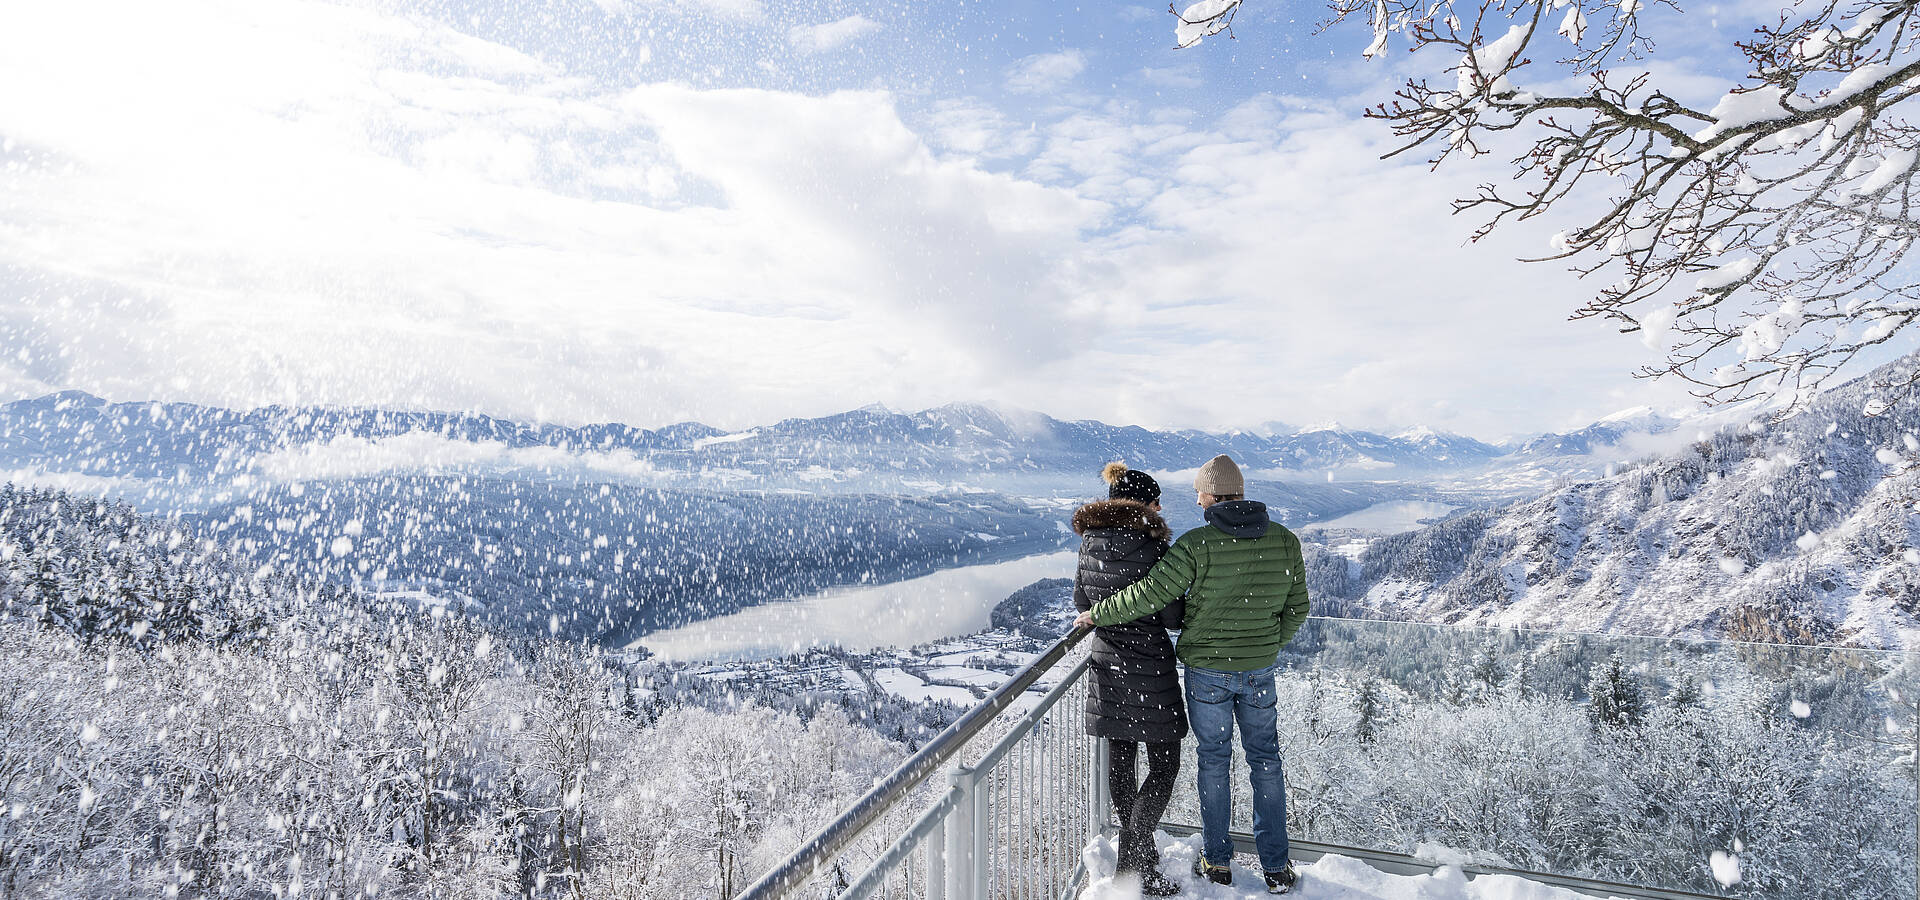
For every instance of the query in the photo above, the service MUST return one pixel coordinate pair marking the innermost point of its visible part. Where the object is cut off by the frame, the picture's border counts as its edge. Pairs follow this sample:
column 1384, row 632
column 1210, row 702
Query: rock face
column 1803, row 530
column 1042, row 610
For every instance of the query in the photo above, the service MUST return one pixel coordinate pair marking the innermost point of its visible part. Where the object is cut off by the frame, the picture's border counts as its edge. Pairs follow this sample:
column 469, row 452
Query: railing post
column 1099, row 802
column 977, row 873
column 962, row 839
column 936, row 844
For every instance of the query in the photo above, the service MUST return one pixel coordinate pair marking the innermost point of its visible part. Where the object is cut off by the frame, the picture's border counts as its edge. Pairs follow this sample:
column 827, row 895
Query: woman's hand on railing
column 1084, row 621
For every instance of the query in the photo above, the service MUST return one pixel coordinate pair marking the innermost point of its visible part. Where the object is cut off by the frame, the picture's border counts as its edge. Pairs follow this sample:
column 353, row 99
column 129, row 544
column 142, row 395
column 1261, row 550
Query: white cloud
column 385, row 211
column 1279, row 270
column 974, row 128
column 746, row 10
column 830, row 35
column 1045, row 72
column 367, row 223
column 1178, row 79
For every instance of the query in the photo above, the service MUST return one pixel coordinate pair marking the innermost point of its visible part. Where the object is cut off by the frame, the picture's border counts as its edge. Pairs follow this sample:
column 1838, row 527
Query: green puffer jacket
column 1246, row 587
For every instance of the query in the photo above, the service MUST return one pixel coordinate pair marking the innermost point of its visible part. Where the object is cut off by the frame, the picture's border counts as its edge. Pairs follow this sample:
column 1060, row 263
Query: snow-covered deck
column 1328, row 878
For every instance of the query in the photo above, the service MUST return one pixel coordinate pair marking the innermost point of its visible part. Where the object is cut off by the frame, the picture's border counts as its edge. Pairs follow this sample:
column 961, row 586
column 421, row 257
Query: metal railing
column 1027, row 804
column 1024, row 791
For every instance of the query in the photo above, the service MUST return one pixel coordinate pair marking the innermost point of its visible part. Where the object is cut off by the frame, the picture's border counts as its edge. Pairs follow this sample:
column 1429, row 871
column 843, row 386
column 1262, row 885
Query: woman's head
column 1130, row 484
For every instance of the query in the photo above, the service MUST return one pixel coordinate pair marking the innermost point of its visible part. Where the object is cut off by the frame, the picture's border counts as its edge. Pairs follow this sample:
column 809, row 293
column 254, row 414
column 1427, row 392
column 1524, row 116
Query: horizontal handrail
column 805, row 862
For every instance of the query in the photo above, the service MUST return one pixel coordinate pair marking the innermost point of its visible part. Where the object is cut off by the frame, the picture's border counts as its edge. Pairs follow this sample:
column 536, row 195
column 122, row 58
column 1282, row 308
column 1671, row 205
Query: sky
column 737, row 211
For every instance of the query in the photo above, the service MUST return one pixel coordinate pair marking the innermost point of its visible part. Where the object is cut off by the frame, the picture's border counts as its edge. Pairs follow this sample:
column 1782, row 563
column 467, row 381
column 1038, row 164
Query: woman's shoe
column 1282, row 882
column 1154, row 884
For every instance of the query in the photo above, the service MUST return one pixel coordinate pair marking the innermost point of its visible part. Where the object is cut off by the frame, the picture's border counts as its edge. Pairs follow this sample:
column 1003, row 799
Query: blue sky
column 739, row 210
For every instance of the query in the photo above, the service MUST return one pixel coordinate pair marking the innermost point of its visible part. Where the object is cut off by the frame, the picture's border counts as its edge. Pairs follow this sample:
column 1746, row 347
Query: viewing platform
column 1437, row 763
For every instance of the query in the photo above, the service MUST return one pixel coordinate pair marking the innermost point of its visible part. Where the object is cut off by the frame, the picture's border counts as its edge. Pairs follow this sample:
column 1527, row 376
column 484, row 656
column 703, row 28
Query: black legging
column 1141, row 804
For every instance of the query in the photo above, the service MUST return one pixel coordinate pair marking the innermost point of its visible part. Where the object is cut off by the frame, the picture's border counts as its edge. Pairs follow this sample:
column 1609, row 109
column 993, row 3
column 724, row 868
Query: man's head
column 1219, row 481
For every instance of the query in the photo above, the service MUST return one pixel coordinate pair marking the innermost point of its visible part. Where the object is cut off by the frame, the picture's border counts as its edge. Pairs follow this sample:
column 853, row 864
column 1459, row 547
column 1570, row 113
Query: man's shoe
column 1211, row 872
column 1282, row 882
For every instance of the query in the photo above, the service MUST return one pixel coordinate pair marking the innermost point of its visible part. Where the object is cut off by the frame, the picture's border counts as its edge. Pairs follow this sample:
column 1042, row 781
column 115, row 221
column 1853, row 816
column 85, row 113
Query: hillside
column 607, row 561
column 181, row 721
column 1802, row 530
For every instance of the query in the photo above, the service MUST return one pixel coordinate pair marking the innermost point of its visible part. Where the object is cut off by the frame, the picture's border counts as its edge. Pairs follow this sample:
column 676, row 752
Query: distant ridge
column 152, row 439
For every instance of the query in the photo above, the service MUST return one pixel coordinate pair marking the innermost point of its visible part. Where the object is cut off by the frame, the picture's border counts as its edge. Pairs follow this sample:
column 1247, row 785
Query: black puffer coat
column 1134, row 693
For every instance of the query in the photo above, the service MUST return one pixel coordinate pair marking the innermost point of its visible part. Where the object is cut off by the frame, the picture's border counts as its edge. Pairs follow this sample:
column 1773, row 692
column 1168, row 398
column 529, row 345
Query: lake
column 944, row 604
column 1388, row 518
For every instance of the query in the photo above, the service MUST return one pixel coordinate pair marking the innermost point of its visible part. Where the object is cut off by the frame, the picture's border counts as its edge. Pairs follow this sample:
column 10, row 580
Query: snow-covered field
column 904, row 684
column 1330, row 878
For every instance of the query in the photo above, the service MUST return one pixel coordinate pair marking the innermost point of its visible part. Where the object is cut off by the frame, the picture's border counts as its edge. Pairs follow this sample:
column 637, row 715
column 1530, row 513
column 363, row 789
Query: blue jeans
column 1215, row 700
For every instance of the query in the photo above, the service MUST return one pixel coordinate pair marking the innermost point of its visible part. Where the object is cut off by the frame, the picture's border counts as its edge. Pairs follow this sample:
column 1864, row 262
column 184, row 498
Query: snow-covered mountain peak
column 1423, row 433
column 1632, row 414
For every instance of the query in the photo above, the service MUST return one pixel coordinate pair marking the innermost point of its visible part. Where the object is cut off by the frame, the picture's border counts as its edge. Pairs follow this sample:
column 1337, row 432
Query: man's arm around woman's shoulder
column 1166, row 582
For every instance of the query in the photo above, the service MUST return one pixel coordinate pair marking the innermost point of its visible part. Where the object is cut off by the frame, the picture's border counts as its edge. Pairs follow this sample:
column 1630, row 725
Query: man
column 1245, row 585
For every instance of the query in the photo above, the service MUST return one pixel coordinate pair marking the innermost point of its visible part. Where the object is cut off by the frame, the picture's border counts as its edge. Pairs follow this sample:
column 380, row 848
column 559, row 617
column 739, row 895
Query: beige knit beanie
column 1219, row 476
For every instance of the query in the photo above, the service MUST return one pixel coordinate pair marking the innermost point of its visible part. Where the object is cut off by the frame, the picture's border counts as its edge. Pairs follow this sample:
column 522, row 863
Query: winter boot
column 1282, row 882
column 1211, row 872
column 1123, row 852
column 1139, row 858
column 1154, row 884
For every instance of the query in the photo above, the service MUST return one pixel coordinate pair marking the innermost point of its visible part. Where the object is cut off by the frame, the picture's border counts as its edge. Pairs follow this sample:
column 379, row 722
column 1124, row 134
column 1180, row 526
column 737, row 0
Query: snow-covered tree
column 1614, row 696
column 1367, row 710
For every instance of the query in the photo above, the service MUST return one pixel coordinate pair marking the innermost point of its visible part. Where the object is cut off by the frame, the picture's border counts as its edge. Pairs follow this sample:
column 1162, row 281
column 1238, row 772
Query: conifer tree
column 1615, row 699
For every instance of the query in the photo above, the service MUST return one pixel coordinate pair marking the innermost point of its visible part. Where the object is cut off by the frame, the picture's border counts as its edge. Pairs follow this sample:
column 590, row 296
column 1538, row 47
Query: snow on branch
column 1202, row 20
column 1762, row 242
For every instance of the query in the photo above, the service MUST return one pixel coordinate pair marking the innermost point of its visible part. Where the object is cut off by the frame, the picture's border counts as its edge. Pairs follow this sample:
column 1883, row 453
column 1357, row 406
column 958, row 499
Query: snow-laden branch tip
column 1381, row 26
column 1202, row 20
column 1486, row 67
column 1574, row 24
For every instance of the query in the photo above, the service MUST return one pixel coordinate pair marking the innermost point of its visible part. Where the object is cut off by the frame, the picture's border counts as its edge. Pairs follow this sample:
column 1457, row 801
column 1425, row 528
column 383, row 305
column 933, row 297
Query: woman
column 1134, row 695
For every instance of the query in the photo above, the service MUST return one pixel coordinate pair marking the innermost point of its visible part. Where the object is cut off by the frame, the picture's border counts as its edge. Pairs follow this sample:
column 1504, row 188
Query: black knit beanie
column 1130, row 484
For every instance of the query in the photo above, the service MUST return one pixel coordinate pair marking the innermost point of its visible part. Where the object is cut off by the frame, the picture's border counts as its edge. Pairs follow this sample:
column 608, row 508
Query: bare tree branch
column 1763, row 243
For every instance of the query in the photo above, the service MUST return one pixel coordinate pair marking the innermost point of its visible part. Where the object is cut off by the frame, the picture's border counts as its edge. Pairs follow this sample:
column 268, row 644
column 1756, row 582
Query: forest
column 1633, row 760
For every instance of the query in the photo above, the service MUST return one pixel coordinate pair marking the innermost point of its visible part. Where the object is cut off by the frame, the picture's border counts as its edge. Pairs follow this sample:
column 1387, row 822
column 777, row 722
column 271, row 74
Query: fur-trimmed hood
column 1131, row 515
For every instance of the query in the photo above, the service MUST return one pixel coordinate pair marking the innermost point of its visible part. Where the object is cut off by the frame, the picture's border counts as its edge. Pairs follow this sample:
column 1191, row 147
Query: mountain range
column 1778, row 531
column 78, row 433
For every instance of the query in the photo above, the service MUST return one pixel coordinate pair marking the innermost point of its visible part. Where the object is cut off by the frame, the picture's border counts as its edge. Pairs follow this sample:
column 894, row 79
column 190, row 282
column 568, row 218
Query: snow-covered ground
column 903, row 684
column 1330, row 878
